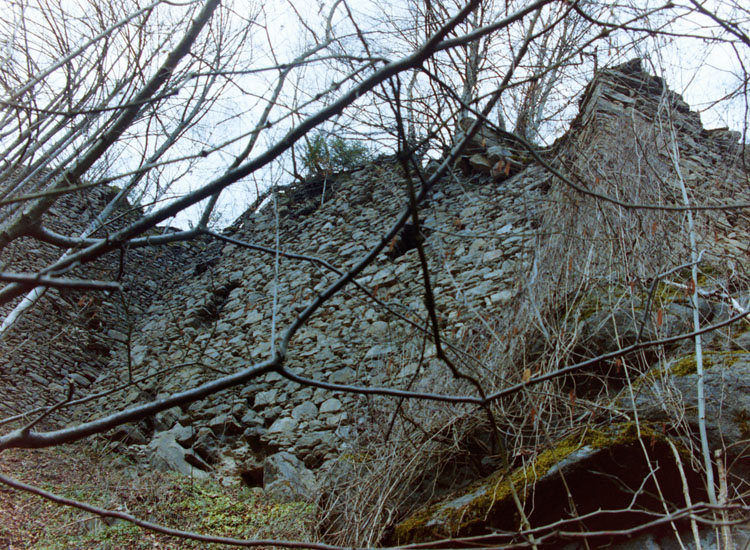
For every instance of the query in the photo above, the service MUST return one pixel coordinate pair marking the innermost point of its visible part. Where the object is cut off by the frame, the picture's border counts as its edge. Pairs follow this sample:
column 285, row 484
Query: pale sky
column 701, row 72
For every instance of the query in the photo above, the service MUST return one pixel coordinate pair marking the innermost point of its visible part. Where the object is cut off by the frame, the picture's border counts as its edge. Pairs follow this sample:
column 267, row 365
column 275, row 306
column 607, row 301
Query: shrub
column 326, row 155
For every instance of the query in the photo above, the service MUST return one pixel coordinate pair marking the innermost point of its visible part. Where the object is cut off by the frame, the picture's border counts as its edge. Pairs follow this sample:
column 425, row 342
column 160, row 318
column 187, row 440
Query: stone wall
column 70, row 335
column 518, row 262
column 482, row 235
column 221, row 319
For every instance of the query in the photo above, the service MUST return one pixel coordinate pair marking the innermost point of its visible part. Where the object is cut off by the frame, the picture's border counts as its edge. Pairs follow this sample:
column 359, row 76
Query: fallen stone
column 378, row 329
column 380, row 351
column 185, row 435
column 225, row 424
column 205, row 444
column 331, row 405
column 251, row 418
column 283, row 425
column 480, row 164
column 166, row 419
column 266, row 398
column 502, row 297
column 304, row 411
column 286, row 478
column 166, row 454
column 345, row 375
column 272, row 413
column 254, row 436
column 337, row 419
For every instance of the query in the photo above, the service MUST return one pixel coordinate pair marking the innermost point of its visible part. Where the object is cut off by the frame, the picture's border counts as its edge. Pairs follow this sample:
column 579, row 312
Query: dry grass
column 589, row 253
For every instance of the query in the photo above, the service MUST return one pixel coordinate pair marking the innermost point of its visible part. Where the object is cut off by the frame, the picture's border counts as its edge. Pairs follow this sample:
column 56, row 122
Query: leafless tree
column 180, row 105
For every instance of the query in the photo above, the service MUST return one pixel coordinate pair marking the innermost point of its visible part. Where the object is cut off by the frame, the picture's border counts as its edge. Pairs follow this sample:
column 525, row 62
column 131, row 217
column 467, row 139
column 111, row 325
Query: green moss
column 456, row 517
column 356, row 458
column 184, row 503
column 731, row 357
column 688, row 365
column 627, row 434
column 416, row 527
column 605, row 300
column 225, row 514
column 705, row 273
column 598, row 299
column 667, row 294
column 119, row 535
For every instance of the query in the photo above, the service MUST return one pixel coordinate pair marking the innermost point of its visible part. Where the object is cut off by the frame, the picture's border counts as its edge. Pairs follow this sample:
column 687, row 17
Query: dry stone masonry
column 487, row 227
column 70, row 335
column 221, row 320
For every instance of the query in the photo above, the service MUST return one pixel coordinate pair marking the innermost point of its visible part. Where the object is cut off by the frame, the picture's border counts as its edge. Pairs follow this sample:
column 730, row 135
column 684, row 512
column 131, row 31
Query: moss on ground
column 108, row 482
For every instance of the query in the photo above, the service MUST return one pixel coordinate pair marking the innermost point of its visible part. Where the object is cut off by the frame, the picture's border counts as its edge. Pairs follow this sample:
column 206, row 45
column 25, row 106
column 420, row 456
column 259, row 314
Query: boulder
column 331, row 405
column 608, row 321
column 285, row 425
column 164, row 420
column 602, row 471
column 304, row 411
column 480, row 164
column 286, row 478
column 225, row 424
column 669, row 394
column 166, row 454
column 206, row 444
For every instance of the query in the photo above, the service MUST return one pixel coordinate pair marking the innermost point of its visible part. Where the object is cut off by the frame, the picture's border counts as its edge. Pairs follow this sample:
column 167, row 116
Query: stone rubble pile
column 488, row 152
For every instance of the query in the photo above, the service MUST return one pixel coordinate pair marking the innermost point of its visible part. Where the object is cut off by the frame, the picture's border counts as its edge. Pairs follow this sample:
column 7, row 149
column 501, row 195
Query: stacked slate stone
column 477, row 246
column 490, row 153
column 480, row 233
column 69, row 336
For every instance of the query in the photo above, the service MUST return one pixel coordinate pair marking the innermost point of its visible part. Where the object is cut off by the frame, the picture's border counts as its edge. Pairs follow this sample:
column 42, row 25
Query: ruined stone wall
column 70, row 335
column 221, row 320
column 501, row 246
column 634, row 141
column 483, row 234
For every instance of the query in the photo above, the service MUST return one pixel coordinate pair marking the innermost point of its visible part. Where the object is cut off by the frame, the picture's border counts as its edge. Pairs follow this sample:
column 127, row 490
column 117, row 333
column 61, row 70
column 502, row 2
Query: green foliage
column 245, row 514
column 175, row 501
column 329, row 155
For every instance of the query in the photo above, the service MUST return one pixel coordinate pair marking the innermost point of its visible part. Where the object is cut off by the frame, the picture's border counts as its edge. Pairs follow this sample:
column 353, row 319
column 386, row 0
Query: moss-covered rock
column 688, row 364
column 668, row 396
column 612, row 318
column 603, row 469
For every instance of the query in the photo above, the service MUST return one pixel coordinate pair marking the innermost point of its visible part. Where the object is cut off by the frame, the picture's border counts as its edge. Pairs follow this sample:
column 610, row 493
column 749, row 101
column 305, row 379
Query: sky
column 279, row 30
